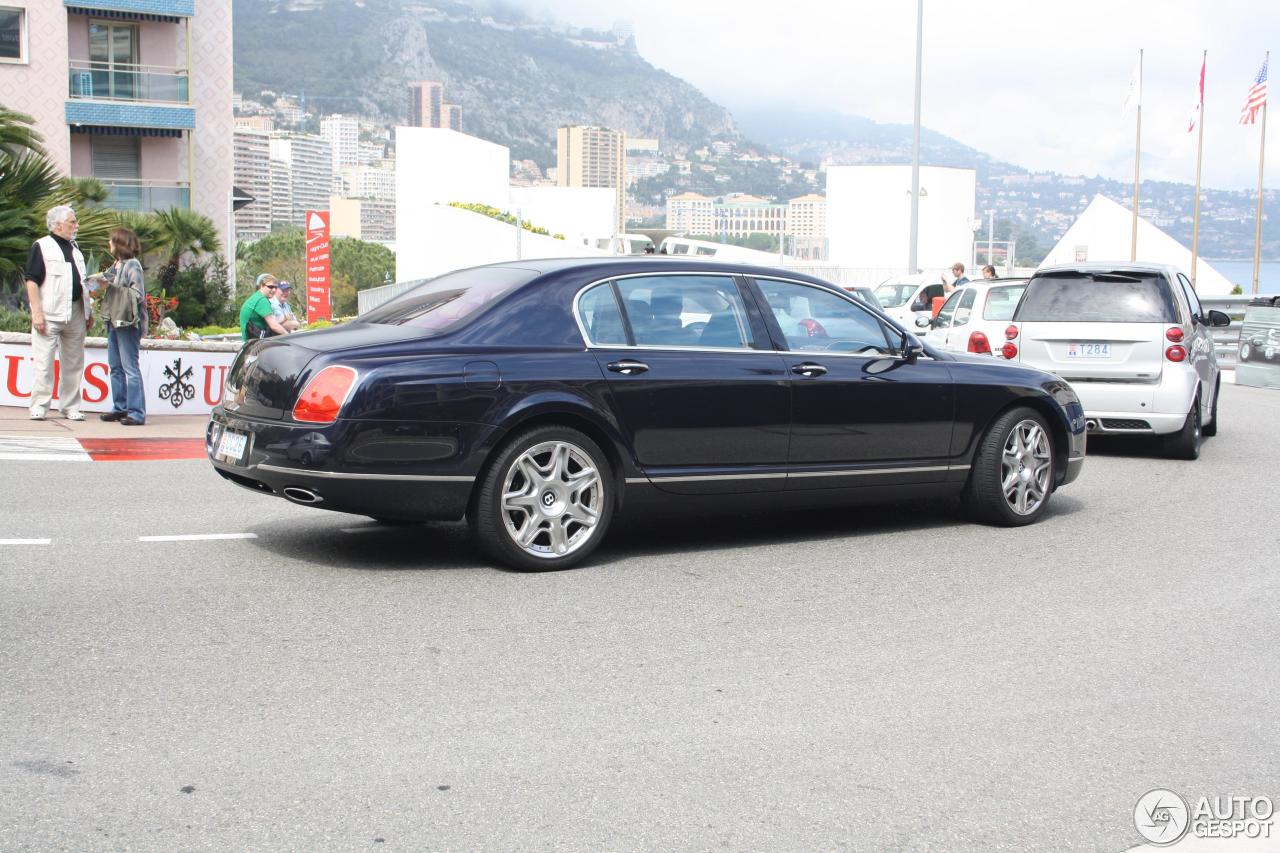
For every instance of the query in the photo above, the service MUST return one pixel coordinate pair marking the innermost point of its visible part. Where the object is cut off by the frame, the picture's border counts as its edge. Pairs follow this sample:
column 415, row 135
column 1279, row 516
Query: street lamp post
column 915, row 143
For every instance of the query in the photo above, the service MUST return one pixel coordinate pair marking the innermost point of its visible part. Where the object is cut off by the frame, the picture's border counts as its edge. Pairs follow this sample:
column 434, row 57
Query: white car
column 1135, row 344
column 974, row 317
column 906, row 297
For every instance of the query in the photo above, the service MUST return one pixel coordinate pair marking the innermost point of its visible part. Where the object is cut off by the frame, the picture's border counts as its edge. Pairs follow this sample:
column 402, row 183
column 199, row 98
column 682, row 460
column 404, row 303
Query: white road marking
column 42, row 449
column 25, row 541
column 197, row 537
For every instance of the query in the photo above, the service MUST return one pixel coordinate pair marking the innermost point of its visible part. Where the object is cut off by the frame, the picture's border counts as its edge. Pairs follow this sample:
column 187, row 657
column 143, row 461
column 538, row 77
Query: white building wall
column 581, row 214
column 439, row 239
column 437, row 166
column 869, row 216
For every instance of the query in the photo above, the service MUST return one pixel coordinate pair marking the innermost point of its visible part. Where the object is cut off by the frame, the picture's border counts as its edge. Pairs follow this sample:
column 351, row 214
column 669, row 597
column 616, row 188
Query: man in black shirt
column 60, row 314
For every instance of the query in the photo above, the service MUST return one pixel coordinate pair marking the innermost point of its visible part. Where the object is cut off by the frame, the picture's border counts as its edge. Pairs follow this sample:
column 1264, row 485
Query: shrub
column 14, row 321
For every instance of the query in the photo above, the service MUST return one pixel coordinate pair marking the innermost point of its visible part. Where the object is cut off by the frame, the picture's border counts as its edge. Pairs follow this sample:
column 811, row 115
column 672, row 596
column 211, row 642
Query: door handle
column 809, row 369
column 627, row 367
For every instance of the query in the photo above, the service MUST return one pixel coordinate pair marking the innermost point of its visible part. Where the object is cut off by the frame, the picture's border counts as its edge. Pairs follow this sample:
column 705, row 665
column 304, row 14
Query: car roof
column 631, row 264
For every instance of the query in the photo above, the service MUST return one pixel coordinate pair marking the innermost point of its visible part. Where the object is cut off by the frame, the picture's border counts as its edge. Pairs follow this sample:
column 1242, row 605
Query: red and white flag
column 1257, row 97
column 1195, row 114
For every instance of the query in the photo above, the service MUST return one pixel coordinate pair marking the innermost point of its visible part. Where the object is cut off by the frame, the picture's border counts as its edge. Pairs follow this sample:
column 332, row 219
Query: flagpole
column 1195, row 227
column 1257, row 227
column 1137, row 158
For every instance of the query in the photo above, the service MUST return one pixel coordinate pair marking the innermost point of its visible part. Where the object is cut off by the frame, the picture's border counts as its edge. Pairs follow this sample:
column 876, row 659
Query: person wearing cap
column 280, row 307
column 257, row 319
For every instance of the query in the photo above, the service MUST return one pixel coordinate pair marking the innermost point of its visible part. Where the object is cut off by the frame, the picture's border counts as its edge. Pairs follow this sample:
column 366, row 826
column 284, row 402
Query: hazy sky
column 1034, row 83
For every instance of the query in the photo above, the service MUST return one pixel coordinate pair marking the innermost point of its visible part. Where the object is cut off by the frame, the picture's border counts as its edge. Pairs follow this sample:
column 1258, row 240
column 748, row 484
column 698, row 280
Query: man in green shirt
column 257, row 309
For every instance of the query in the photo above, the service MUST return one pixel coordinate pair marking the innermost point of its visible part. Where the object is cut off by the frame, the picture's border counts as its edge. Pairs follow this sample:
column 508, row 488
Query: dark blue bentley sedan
column 539, row 398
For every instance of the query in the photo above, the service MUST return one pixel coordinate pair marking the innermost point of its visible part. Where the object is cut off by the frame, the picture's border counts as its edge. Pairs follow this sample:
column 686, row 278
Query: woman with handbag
column 125, row 312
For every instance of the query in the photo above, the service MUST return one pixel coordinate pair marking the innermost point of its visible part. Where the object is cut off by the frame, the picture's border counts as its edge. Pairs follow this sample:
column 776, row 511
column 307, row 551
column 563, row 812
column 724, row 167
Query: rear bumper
column 381, row 469
column 1136, row 409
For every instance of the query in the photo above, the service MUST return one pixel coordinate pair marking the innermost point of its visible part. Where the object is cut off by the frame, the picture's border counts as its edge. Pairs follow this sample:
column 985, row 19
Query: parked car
column 974, row 317
column 1259, row 343
column 541, row 397
column 906, row 297
column 1134, row 342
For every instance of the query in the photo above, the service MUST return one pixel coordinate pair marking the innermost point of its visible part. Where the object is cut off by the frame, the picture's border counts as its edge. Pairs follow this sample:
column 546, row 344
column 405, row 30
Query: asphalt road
column 866, row 680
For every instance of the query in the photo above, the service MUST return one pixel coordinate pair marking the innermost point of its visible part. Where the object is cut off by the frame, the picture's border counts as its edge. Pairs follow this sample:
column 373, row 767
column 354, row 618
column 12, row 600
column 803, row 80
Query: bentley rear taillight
column 322, row 399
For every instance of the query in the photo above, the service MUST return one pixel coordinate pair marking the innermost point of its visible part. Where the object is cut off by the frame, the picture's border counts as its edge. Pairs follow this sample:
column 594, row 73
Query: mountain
column 516, row 79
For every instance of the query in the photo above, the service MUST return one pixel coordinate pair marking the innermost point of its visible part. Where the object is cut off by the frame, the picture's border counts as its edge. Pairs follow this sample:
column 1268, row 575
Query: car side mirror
column 1219, row 318
column 924, row 322
column 912, row 349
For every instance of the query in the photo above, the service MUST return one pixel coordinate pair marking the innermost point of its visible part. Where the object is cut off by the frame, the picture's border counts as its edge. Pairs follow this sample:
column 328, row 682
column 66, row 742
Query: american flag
column 1257, row 96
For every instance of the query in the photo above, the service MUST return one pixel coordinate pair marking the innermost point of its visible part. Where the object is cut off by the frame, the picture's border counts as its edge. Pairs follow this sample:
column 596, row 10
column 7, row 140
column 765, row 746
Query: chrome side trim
column 868, row 471
column 340, row 475
column 699, row 478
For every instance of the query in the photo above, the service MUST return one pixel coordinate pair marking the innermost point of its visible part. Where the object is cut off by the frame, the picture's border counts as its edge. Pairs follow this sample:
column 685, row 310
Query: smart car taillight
column 322, row 399
column 1174, row 334
column 1009, row 351
column 978, row 343
column 1176, row 353
column 1010, row 332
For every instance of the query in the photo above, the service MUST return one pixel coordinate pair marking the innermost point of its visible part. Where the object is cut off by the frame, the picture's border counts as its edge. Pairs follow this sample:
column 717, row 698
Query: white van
column 906, row 297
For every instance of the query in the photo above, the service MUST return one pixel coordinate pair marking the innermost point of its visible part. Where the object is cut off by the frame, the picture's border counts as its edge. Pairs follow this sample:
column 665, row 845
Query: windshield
column 439, row 304
column 894, row 295
column 1129, row 297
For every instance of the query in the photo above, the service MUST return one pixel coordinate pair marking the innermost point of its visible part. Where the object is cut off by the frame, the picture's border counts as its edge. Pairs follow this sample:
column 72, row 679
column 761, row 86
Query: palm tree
column 179, row 232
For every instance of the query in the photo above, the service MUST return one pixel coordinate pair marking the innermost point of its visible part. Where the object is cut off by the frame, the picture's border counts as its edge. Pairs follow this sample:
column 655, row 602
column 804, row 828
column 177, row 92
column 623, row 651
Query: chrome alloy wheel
column 1025, row 467
column 551, row 499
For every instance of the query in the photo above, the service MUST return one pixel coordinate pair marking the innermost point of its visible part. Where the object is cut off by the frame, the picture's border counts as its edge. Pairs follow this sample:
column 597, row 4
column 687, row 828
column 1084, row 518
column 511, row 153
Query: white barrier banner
column 177, row 382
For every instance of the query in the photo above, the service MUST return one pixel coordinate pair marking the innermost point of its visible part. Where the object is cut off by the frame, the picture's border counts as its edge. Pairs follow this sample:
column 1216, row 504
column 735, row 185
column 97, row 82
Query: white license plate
column 231, row 447
column 1088, row 350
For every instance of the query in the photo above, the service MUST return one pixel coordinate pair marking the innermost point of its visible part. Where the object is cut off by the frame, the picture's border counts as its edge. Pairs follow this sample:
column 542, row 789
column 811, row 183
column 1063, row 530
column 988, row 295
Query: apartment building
column 807, row 227
column 251, row 171
column 309, row 163
column 426, row 103
column 593, row 157
column 691, row 214
column 343, row 135
column 741, row 215
column 136, row 93
column 451, row 117
column 368, row 182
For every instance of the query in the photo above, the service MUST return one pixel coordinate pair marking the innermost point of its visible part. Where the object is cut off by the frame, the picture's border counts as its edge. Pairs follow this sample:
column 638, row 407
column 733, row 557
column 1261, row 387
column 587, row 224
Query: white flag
column 1133, row 98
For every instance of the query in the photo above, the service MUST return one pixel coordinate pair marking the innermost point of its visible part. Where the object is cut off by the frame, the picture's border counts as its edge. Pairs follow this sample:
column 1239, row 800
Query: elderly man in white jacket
column 61, row 314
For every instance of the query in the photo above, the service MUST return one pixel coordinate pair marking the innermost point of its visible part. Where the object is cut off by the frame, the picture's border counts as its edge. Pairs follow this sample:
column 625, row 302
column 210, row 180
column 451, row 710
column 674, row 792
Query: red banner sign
column 318, row 307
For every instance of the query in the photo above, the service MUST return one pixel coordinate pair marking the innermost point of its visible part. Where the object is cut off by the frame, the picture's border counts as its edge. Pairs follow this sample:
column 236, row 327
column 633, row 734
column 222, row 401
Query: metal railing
column 108, row 82
column 146, row 196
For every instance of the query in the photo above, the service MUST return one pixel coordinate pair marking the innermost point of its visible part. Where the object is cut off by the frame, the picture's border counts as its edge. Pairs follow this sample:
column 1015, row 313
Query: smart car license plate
column 231, row 447
column 1086, row 350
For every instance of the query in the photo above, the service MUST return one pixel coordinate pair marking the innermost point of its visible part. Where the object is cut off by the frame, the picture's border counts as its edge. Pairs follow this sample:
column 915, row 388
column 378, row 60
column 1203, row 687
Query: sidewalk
column 16, row 422
column 92, row 440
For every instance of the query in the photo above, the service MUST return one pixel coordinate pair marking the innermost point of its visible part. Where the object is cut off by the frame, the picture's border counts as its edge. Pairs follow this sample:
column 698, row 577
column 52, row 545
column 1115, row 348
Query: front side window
column 895, row 295
column 1102, row 297
column 943, row 320
column 1193, row 300
column 815, row 319
column 704, row 311
column 13, row 34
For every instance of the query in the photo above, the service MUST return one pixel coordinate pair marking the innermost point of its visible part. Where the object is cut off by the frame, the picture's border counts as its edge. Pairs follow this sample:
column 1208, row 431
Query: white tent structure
column 1104, row 232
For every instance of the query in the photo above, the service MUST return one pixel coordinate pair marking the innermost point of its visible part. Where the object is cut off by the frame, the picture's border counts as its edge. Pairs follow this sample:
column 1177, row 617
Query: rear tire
column 1013, row 471
column 1185, row 443
column 1211, row 428
column 545, row 500
column 1245, row 352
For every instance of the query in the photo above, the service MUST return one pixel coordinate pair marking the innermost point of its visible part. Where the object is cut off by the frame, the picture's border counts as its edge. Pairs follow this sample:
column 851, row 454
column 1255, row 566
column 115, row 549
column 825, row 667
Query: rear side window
column 440, row 304
column 1001, row 301
column 1098, row 298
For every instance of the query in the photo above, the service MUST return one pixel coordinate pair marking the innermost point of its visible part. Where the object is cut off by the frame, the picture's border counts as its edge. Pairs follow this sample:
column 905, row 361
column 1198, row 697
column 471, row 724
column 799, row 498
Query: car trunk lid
column 1100, row 352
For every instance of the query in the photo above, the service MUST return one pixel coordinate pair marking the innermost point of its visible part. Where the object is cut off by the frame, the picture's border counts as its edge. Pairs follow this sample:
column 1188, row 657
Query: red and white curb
column 66, row 449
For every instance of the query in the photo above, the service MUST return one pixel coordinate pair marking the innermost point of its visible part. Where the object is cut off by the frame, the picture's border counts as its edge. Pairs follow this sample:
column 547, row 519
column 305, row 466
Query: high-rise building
column 310, row 166
column 452, row 117
column 343, row 135
column 135, row 94
column 252, row 174
column 426, row 103
column 593, row 157
column 368, row 182
column 281, row 192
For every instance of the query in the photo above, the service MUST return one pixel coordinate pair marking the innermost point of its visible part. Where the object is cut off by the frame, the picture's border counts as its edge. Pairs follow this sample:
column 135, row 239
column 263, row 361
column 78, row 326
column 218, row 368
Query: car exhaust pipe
column 1091, row 425
column 300, row 495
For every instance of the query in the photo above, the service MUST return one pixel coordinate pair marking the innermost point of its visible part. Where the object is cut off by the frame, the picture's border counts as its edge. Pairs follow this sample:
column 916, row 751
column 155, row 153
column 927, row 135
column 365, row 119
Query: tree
column 180, row 232
column 354, row 265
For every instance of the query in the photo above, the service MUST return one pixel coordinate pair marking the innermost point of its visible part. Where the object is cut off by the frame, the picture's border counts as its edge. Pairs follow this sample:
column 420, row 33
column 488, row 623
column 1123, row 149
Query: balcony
column 102, row 82
column 146, row 196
